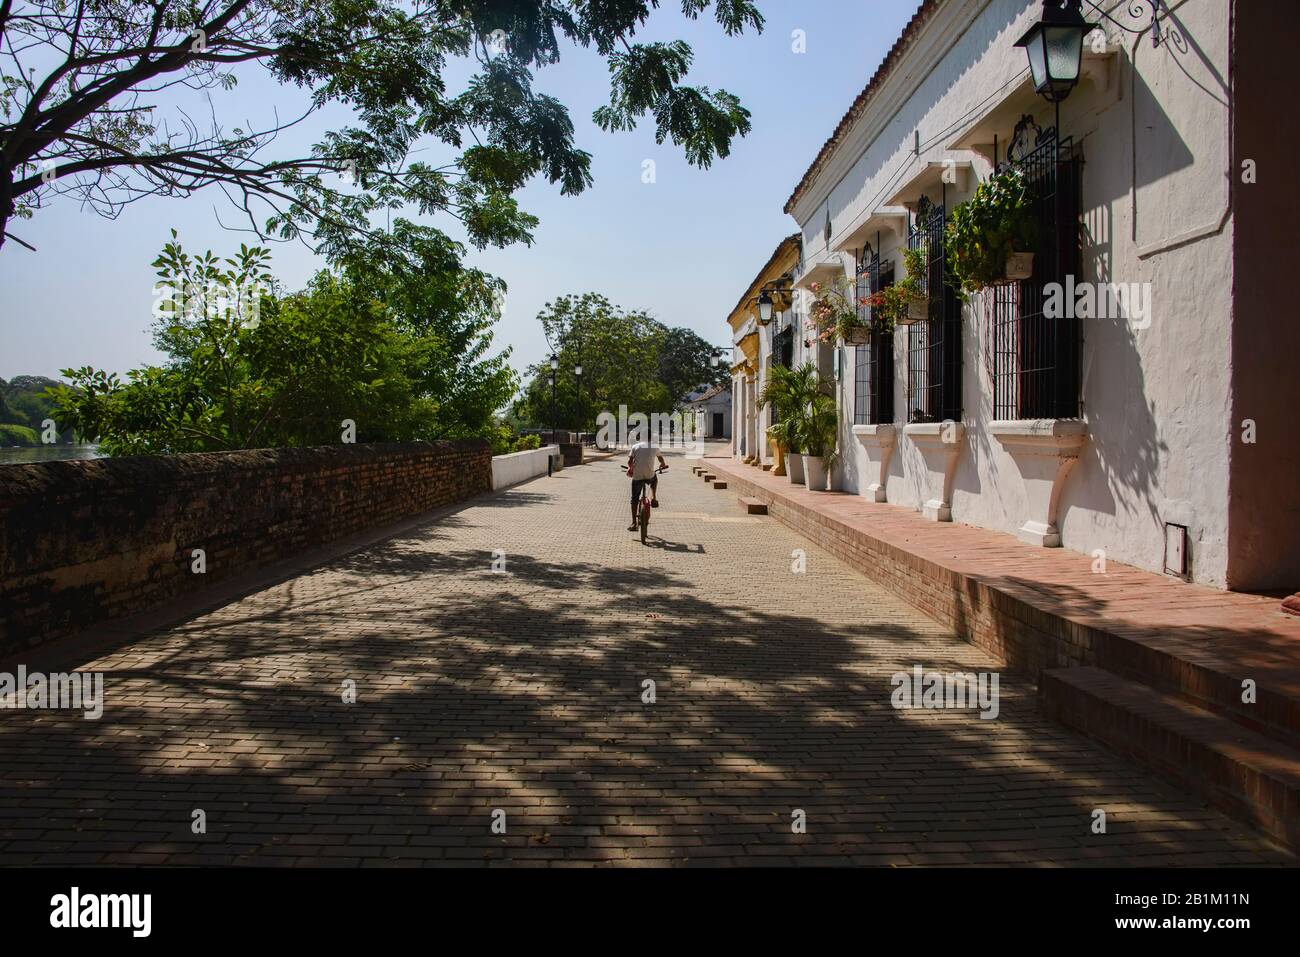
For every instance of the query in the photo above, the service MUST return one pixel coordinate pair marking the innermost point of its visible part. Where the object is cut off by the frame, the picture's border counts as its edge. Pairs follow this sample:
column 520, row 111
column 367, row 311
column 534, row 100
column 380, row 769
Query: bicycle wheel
column 645, row 520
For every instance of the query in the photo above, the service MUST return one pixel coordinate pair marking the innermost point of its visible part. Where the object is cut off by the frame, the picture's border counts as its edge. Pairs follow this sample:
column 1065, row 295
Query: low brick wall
column 84, row 542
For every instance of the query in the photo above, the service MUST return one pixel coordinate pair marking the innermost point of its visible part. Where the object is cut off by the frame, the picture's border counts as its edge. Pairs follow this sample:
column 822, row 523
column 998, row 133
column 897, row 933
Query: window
column 934, row 343
column 1035, row 359
column 873, row 380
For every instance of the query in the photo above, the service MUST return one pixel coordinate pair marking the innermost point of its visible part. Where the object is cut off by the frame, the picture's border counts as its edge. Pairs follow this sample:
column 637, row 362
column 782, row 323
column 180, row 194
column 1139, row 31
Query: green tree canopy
column 627, row 356
column 90, row 105
column 397, row 345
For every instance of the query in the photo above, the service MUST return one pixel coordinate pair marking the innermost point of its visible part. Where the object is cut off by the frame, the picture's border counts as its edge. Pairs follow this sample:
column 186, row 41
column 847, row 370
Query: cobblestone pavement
column 522, row 692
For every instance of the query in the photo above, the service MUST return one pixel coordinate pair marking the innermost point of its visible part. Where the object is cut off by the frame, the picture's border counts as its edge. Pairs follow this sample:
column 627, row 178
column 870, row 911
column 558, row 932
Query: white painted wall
column 508, row 470
column 1155, row 400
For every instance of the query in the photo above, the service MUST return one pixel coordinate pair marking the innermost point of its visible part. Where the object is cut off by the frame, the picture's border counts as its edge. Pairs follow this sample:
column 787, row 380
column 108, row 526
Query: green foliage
column 528, row 442
column 685, row 363
column 627, row 358
column 983, row 231
column 805, row 403
column 17, row 435
column 89, row 102
column 783, row 390
column 24, row 401
column 394, row 341
column 834, row 311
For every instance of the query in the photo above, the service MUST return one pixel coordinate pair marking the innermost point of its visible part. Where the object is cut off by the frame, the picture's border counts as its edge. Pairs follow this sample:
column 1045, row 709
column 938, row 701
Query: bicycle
column 643, row 515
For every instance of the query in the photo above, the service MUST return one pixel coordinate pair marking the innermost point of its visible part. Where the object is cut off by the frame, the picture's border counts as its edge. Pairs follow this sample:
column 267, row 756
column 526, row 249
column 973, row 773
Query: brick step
column 1252, row 777
column 1207, row 683
column 709, row 477
column 719, row 485
column 754, row 506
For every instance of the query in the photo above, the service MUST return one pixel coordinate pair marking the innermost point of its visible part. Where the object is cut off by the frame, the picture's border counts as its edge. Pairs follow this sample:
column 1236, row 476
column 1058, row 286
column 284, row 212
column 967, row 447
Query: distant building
column 757, row 346
column 713, row 407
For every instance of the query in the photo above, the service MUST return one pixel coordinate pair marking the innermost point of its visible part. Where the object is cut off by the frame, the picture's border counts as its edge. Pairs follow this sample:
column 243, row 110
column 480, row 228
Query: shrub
column 17, row 435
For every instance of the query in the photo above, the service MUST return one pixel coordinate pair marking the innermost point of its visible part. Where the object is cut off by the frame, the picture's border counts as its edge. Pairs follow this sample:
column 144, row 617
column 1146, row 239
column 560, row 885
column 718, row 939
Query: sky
column 685, row 246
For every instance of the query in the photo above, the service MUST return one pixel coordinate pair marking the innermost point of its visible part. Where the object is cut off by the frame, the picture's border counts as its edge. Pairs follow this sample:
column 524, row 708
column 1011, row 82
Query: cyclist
column 641, row 469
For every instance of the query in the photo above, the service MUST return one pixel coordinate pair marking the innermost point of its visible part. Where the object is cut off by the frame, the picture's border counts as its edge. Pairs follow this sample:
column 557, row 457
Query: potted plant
column 818, row 423
column 779, row 393
column 990, row 237
column 834, row 313
column 911, row 304
column 788, row 391
column 821, row 423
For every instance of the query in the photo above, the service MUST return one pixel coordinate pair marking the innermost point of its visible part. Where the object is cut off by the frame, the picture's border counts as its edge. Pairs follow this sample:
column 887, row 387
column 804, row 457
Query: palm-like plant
column 805, row 405
column 821, row 424
column 782, row 390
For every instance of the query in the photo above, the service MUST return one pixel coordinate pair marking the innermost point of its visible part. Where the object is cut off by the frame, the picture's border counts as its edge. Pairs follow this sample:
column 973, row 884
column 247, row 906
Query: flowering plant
column 834, row 310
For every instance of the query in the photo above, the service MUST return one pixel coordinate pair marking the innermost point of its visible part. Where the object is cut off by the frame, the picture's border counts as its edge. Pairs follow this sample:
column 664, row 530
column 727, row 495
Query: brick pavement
column 522, row 692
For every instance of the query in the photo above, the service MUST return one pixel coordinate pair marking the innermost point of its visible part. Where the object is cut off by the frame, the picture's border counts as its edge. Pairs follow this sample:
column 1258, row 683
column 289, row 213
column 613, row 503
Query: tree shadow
column 527, row 693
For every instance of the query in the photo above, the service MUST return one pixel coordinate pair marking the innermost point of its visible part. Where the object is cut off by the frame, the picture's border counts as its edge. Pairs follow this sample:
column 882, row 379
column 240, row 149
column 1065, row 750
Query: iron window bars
column 934, row 343
column 873, row 385
column 1034, row 359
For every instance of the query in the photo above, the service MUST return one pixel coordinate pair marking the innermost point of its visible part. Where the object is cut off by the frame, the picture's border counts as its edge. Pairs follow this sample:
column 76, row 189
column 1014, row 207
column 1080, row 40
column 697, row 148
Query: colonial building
column 711, row 409
column 1132, row 397
column 758, row 342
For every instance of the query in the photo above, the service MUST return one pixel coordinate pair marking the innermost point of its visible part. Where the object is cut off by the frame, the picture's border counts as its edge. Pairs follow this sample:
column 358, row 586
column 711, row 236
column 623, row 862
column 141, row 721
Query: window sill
column 884, row 433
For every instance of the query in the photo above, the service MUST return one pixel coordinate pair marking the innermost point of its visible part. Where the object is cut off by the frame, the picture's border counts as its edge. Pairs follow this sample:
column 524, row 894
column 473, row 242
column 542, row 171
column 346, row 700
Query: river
column 48, row 453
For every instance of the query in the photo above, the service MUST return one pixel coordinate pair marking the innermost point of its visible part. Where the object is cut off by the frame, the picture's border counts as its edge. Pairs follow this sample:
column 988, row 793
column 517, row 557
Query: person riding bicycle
column 641, row 469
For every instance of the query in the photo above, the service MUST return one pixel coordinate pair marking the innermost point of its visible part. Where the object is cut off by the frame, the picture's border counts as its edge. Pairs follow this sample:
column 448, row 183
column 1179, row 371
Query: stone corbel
column 1045, row 451
column 940, row 445
column 881, row 438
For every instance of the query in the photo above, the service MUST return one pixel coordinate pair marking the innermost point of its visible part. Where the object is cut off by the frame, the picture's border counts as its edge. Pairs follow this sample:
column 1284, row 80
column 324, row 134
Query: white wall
column 1155, row 400
column 519, row 467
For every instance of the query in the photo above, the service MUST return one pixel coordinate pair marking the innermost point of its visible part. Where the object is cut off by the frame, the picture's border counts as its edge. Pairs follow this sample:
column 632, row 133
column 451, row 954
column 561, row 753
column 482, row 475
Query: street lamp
column 765, row 308
column 1054, row 46
column 555, row 364
column 577, row 372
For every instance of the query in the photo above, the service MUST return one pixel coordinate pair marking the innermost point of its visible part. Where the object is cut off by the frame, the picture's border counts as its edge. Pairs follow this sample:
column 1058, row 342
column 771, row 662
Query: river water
column 48, row 453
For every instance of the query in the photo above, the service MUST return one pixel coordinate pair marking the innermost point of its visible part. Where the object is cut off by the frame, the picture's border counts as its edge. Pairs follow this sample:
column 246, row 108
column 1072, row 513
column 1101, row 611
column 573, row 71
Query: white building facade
column 1137, row 428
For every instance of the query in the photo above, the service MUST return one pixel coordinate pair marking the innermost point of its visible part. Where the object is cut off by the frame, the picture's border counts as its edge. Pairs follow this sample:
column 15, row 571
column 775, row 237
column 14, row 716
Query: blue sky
column 684, row 247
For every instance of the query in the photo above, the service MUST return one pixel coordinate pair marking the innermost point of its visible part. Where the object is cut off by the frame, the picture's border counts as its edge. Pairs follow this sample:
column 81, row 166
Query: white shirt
column 643, row 460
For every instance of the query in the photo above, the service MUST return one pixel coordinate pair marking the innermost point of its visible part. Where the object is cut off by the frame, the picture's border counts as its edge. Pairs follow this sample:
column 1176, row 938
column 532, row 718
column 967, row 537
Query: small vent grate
column 1176, row 550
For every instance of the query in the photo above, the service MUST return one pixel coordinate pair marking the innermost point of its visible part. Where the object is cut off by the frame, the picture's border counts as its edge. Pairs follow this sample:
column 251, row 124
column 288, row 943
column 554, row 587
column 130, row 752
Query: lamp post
column 555, row 364
column 577, row 372
column 1054, row 46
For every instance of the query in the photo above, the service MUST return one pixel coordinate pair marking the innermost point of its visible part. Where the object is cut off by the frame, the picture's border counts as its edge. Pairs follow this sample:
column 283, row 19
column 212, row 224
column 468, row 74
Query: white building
column 756, row 346
column 712, row 409
column 1156, row 430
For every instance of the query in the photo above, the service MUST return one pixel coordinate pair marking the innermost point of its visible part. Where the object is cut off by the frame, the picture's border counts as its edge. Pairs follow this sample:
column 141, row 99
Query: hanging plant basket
column 1020, row 266
column 918, row 310
column 857, row 335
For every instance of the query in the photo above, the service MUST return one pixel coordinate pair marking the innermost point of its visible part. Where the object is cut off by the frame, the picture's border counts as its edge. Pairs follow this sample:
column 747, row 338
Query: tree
column 627, row 358
column 686, row 363
column 23, row 401
column 397, row 351
column 93, row 122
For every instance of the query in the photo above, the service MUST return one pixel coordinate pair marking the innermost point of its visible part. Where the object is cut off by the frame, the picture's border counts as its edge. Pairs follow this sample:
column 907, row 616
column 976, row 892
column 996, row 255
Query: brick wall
column 83, row 542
